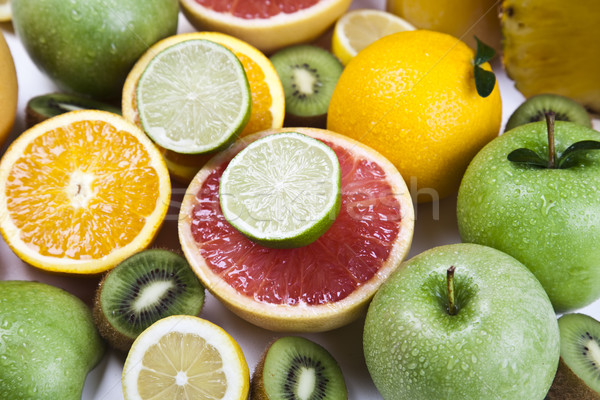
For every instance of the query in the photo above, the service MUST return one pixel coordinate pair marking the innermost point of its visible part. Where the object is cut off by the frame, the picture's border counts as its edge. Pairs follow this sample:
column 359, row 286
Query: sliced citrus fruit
column 268, row 106
column 313, row 288
column 282, row 191
column 193, row 97
column 82, row 191
column 268, row 25
column 5, row 11
column 10, row 92
column 357, row 29
column 185, row 357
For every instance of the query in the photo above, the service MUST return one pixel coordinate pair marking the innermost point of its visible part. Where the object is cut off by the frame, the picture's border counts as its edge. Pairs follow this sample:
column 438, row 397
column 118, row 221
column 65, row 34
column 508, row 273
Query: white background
column 435, row 225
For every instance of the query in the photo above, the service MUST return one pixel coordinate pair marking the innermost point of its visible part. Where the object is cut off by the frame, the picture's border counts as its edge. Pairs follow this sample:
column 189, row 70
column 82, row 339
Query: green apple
column 48, row 342
column 486, row 330
column 547, row 218
column 89, row 46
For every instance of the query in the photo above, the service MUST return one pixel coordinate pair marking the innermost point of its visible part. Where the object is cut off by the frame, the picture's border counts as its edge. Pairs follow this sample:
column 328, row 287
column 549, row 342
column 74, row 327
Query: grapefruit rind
column 324, row 168
column 299, row 317
column 11, row 233
column 269, row 34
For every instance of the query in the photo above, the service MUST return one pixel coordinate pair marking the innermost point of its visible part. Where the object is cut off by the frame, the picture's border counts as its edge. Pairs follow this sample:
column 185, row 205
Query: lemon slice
column 194, row 97
column 283, row 190
column 357, row 29
column 5, row 11
column 185, row 357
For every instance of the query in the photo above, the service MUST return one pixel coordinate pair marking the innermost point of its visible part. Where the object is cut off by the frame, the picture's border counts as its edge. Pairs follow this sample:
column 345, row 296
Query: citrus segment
column 193, row 97
column 5, row 11
column 185, row 357
column 282, row 190
column 267, row 110
column 312, row 288
column 357, row 29
column 268, row 25
column 81, row 191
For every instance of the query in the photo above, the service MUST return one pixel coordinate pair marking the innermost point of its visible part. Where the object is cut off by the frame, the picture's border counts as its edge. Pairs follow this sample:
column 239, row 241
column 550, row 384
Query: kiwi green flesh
column 295, row 368
column 308, row 75
column 535, row 108
column 42, row 107
column 580, row 347
column 144, row 288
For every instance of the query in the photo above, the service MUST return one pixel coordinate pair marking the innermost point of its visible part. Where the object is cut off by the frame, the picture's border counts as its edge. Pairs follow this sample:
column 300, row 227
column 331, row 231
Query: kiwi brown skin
column 115, row 338
column 257, row 387
column 568, row 386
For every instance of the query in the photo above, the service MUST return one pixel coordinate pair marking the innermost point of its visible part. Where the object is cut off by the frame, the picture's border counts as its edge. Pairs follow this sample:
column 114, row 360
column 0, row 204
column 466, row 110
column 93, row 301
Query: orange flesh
column 73, row 196
column 256, row 9
column 349, row 254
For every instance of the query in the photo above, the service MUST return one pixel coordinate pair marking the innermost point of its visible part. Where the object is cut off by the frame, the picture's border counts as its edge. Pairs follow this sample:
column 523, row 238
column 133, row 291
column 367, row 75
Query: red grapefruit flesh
column 252, row 9
column 266, row 24
column 313, row 288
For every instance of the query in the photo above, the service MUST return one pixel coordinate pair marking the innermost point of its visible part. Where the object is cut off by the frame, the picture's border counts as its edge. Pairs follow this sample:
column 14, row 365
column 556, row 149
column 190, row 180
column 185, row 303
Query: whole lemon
column 463, row 19
column 412, row 97
column 8, row 90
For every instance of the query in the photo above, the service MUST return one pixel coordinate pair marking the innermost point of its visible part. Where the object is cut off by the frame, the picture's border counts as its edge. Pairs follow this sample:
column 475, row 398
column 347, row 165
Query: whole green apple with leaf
column 534, row 193
column 48, row 342
column 89, row 46
column 464, row 322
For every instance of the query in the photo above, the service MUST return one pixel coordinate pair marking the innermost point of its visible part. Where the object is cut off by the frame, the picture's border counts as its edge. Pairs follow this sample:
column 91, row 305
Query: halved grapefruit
column 268, row 25
column 313, row 288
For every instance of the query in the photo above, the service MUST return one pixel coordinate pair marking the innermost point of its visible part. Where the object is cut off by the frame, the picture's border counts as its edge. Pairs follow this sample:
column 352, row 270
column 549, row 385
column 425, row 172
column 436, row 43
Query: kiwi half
column 578, row 375
column 144, row 288
column 295, row 368
column 308, row 75
column 42, row 107
column 535, row 108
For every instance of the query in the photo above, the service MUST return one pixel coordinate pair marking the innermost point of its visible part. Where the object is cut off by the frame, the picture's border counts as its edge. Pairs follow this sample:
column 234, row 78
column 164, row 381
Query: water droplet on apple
column 75, row 15
column 473, row 359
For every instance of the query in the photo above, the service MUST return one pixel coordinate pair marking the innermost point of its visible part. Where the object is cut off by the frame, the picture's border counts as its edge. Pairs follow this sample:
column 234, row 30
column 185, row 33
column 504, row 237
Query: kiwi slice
column 535, row 108
column 578, row 375
column 308, row 75
column 42, row 107
column 142, row 289
column 295, row 368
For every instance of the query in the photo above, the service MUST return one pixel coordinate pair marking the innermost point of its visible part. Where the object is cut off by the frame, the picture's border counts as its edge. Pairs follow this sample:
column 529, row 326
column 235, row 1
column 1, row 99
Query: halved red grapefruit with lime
column 317, row 287
column 267, row 25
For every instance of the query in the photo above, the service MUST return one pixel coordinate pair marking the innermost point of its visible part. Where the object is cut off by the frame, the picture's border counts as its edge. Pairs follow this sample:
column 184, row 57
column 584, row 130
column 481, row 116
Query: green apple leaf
column 569, row 157
column 527, row 157
column 484, row 80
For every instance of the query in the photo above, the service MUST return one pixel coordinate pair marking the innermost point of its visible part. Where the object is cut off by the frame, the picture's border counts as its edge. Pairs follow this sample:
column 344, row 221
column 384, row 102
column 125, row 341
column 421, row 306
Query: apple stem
column 450, row 281
column 551, row 150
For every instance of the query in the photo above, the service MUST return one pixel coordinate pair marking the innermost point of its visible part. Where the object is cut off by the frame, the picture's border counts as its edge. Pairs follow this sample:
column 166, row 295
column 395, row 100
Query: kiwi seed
column 308, row 75
column 295, row 368
column 41, row 108
column 578, row 375
column 144, row 288
column 535, row 108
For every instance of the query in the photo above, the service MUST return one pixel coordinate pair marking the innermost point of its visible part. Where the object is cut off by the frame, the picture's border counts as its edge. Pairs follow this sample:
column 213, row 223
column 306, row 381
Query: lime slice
column 194, row 97
column 282, row 190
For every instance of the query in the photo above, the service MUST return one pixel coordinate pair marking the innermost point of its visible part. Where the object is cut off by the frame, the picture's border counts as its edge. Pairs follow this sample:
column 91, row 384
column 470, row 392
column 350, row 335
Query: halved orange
column 82, row 191
column 318, row 287
column 268, row 99
column 268, row 25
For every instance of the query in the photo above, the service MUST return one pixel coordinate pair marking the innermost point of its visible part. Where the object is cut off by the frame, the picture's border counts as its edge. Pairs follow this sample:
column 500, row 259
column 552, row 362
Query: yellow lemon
column 412, row 97
column 8, row 94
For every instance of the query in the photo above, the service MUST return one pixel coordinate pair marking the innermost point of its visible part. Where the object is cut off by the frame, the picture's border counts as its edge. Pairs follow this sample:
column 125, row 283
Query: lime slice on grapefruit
column 194, row 97
column 318, row 287
column 282, row 190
